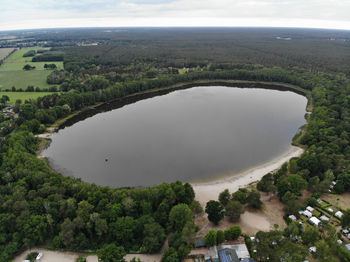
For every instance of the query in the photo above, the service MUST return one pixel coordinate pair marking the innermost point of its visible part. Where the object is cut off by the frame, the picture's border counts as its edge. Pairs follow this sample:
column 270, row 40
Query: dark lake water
column 193, row 135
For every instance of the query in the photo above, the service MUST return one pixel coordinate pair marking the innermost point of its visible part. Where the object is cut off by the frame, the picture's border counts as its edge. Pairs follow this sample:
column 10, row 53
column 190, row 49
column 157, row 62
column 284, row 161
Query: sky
column 29, row 14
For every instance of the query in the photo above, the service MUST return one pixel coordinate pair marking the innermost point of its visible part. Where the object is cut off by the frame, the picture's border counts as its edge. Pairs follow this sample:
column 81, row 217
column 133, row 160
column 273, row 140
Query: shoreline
column 206, row 191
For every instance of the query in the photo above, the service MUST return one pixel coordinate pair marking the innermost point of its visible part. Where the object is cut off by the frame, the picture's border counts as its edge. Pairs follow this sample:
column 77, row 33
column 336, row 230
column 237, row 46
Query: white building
column 330, row 210
column 292, row 217
column 306, row 213
column 311, row 209
column 324, row 218
column 315, row 221
column 312, row 249
column 339, row 214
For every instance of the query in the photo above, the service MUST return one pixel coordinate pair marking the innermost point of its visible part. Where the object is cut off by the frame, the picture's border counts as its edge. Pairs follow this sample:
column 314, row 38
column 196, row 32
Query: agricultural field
column 12, row 73
column 23, row 95
column 4, row 52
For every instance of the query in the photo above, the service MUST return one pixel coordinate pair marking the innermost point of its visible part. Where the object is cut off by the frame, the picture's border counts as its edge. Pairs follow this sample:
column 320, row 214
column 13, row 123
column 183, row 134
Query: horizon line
column 171, row 27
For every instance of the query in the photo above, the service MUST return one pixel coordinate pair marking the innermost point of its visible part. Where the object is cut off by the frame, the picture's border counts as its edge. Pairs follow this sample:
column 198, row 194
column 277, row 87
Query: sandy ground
column 251, row 221
column 54, row 256
column 59, row 256
column 342, row 201
column 209, row 191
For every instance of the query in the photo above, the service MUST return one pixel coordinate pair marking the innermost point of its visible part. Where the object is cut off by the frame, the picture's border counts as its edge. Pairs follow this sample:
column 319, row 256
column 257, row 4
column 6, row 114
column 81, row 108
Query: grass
column 12, row 73
column 4, row 52
column 23, row 95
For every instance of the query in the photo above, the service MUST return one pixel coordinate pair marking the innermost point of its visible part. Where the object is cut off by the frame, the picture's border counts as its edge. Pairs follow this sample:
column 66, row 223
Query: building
column 311, row 209
column 228, row 253
column 347, row 247
column 199, row 243
column 315, row 221
column 330, row 210
column 241, row 250
column 292, row 217
column 312, row 249
column 324, row 218
column 339, row 214
column 306, row 213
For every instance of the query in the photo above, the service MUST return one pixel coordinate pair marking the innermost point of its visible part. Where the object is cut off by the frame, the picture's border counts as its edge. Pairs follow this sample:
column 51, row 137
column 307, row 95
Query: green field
column 4, row 52
column 12, row 73
column 23, row 95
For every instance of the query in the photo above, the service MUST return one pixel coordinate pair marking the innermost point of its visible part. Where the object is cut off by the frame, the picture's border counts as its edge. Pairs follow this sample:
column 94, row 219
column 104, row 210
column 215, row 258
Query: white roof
column 347, row 247
column 313, row 249
column 315, row 221
column 339, row 241
column 292, row 217
column 324, row 218
column 307, row 213
column 330, row 210
column 339, row 214
column 311, row 209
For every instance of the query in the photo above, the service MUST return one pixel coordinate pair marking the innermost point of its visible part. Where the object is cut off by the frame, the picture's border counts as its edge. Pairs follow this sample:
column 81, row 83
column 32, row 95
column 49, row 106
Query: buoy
column 106, row 159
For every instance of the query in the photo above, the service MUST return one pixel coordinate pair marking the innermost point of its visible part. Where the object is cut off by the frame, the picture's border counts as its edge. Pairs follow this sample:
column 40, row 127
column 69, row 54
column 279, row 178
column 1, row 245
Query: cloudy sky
column 26, row 14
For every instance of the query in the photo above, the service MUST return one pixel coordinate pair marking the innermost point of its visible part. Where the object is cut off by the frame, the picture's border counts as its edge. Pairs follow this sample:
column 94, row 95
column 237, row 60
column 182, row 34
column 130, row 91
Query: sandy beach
column 211, row 190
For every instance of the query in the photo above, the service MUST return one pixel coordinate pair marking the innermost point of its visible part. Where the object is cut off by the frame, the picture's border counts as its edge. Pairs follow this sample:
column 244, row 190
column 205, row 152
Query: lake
column 192, row 135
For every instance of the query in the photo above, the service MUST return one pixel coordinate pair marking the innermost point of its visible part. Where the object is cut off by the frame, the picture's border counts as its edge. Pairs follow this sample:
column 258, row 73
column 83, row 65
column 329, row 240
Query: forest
column 41, row 207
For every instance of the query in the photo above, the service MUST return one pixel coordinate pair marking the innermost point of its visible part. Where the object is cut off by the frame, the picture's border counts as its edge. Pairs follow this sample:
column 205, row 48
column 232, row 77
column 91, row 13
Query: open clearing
column 251, row 221
column 61, row 256
column 4, row 52
column 23, row 95
column 341, row 201
column 12, row 73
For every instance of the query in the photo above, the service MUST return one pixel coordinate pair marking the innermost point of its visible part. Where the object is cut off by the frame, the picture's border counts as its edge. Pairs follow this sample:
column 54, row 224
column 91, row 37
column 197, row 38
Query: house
column 241, row 250
column 311, row 209
column 315, row 221
column 292, row 217
column 339, row 241
column 306, row 213
column 339, row 214
column 324, row 218
column 228, row 255
column 345, row 231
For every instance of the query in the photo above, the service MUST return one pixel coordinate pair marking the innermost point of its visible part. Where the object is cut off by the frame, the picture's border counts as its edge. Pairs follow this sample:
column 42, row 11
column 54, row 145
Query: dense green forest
column 63, row 212
column 41, row 207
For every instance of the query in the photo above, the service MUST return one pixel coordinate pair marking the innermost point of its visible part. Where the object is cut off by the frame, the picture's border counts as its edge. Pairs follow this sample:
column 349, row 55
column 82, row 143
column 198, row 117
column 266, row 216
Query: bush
column 234, row 209
column 211, row 238
column 32, row 256
column 215, row 211
column 233, row 233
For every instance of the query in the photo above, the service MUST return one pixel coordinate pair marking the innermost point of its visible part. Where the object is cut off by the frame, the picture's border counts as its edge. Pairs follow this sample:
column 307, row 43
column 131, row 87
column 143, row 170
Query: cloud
column 53, row 13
